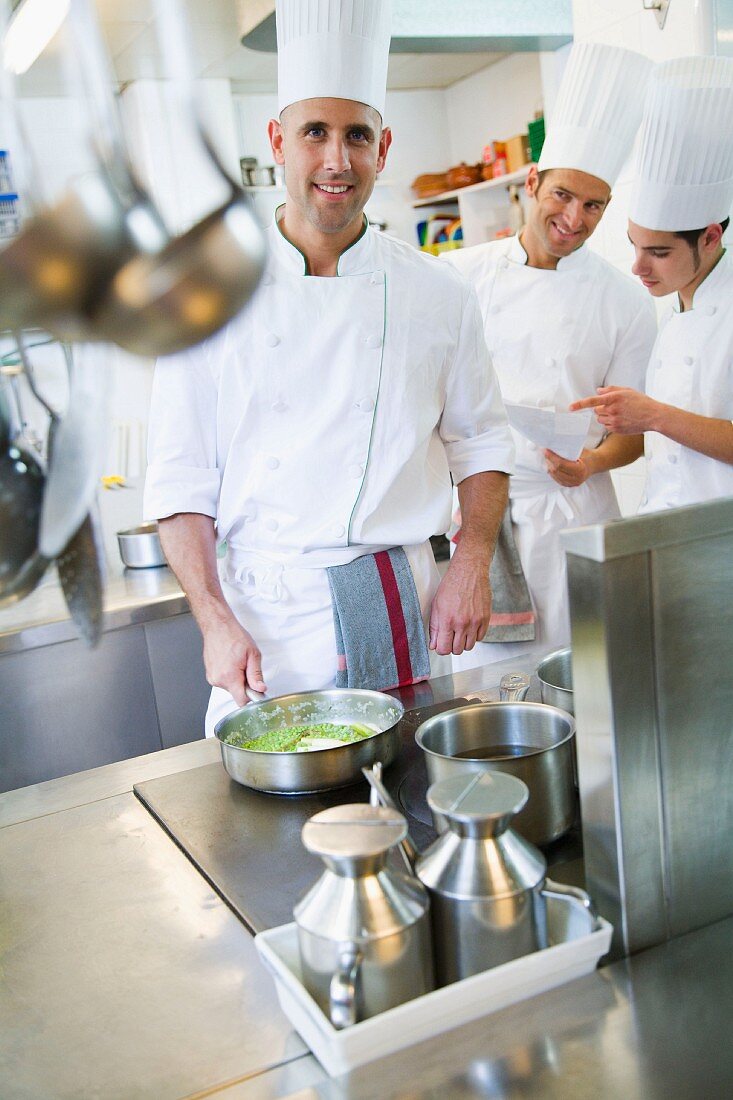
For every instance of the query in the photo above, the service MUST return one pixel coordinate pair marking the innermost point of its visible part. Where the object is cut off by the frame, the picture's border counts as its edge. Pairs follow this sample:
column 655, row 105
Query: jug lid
column 490, row 797
column 353, row 831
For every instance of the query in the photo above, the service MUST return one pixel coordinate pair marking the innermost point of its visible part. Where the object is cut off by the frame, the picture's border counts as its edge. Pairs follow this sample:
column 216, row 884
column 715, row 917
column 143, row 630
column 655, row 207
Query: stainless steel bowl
column 531, row 741
column 307, row 772
column 140, row 547
column 555, row 673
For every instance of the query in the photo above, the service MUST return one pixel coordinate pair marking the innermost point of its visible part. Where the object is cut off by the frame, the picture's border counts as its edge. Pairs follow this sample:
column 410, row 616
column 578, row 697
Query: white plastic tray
column 580, row 947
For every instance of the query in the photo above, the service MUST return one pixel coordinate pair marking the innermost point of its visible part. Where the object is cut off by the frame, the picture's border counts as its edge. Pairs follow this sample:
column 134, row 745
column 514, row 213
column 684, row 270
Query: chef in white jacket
column 326, row 421
column 558, row 318
column 680, row 207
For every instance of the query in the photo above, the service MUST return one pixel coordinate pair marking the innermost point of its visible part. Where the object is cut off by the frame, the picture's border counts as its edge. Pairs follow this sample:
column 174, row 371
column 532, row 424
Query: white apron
column 691, row 367
column 554, row 336
column 288, row 610
column 322, row 424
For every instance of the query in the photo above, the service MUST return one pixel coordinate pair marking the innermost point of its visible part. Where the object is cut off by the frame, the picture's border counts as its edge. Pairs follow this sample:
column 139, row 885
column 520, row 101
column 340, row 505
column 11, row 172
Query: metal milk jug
column 364, row 928
column 484, row 879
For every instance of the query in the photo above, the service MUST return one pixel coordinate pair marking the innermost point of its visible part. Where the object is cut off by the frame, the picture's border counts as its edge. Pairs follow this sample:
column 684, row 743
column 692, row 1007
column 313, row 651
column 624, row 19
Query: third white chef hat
column 334, row 49
column 684, row 176
column 598, row 110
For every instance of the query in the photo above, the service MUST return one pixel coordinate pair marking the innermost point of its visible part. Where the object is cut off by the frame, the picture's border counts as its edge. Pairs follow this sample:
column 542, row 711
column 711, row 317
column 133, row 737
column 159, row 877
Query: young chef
column 680, row 206
column 323, row 425
column 557, row 318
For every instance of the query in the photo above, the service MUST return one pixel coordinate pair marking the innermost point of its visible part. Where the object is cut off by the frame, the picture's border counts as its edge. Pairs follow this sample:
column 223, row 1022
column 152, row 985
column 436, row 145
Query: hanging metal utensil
column 22, row 481
column 159, row 304
column 81, row 575
column 76, row 463
column 80, row 562
column 54, row 271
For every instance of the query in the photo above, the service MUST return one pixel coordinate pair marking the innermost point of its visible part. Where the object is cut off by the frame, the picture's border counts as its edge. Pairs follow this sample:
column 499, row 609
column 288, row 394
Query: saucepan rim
column 251, row 709
column 556, row 655
column 421, row 730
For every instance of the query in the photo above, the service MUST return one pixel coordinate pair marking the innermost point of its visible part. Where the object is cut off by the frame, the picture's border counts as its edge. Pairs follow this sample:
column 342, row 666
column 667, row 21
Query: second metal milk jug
column 484, row 879
column 363, row 929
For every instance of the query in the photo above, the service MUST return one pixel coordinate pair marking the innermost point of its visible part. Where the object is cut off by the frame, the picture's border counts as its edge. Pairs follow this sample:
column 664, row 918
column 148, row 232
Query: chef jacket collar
column 357, row 259
column 709, row 289
column 576, row 259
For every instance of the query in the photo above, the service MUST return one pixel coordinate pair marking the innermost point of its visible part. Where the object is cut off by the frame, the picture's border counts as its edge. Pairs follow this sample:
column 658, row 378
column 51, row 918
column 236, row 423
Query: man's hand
column 567, row 473
column 461, row 609
column 232, row 660
column 622, row 410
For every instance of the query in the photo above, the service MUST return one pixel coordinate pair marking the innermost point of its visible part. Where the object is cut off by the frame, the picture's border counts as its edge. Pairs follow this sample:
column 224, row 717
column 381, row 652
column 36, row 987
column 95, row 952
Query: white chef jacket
column 323, row 423
column 554, row 336
column 691, row 367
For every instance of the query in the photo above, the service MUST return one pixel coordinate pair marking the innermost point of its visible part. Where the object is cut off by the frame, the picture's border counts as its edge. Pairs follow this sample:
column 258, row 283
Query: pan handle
column 408, row 850
column 513, row 687
column 254, row 696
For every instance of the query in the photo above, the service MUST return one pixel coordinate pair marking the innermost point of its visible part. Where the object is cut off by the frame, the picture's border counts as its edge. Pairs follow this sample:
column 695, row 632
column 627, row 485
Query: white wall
column 492, row 104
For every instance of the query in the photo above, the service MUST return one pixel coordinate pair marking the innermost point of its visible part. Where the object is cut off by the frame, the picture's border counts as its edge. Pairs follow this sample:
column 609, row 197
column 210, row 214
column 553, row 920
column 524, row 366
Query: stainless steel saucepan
column 555, row 673
column 324, row 769
column 531, row 741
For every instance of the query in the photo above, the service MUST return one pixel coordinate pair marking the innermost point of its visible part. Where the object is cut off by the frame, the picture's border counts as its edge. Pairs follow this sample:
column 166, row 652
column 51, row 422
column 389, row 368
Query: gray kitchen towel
column 512, row 615
column 380, row 637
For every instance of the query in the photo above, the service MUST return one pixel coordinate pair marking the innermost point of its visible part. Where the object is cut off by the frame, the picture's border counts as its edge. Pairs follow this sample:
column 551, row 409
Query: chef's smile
column 333, row 191
column 564, row 234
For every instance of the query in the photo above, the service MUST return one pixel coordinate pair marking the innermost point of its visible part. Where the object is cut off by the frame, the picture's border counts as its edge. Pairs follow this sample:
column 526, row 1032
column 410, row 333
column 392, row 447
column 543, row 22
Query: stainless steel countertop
column 123, row 975
column 130, row 596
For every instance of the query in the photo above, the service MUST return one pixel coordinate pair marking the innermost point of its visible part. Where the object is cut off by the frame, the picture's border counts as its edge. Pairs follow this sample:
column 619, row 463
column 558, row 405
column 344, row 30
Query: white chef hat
column 598, row 110
column 684, row 175
column 333, row 48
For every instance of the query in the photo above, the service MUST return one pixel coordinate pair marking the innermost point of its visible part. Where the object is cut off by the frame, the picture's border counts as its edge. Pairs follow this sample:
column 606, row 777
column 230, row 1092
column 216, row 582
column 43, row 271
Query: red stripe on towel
column 511, row 618
column 396, row 617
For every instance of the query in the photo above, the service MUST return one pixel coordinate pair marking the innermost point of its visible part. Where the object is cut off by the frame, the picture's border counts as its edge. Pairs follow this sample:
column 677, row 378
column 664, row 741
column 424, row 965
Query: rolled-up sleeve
column 474, row 426
column 182, row 474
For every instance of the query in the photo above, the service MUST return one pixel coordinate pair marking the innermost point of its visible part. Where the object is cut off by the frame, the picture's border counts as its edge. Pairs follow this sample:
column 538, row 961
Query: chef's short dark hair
column 692, row 236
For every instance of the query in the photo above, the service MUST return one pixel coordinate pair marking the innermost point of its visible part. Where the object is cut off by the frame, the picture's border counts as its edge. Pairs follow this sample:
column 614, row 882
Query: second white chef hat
column 598, row 110
column 684, row 176
column 334, row 49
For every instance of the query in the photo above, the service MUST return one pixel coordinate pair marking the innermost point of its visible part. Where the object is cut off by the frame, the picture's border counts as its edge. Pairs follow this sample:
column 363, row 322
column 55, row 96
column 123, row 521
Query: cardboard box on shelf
column 493, row 151
column 517, row 152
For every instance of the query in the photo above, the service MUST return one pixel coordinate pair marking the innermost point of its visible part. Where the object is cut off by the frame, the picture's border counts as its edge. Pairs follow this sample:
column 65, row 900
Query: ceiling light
column 30, row 30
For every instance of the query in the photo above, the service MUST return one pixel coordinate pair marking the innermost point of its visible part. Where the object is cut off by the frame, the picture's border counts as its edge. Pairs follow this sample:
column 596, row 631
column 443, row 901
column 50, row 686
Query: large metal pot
column 531, row 741
column 555, row 673
column 307, row 772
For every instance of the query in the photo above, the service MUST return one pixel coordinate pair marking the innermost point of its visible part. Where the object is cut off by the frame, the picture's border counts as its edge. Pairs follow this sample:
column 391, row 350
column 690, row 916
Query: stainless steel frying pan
column 306, row 772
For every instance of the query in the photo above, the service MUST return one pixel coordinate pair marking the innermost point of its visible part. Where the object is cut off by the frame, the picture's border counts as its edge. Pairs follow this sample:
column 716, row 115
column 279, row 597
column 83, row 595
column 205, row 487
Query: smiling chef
column 317, row 434
column 680, row 207
column 558, row 318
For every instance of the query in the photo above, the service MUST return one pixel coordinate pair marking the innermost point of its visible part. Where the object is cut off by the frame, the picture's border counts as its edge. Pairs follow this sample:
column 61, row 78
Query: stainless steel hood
column 433, row 26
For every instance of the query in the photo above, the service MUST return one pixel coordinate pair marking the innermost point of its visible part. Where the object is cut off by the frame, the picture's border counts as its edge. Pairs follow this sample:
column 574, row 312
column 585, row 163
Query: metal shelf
column 485, row 185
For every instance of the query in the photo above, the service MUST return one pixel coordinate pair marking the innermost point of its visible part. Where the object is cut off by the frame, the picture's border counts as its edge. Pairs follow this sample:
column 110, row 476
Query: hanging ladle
column 80, row 559
column 55, row 269
column 159, row 304
column 22, row 483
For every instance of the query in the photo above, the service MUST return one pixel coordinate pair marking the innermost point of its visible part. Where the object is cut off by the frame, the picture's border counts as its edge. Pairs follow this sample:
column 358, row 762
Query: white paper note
column 561, row 432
